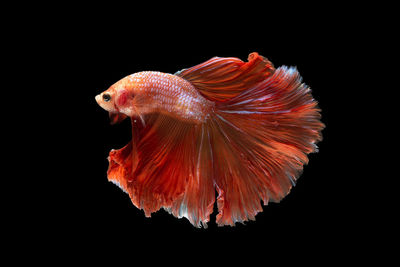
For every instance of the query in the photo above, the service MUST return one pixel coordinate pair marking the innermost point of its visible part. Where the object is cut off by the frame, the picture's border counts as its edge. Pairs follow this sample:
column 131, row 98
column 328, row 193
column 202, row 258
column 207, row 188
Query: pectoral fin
column 116, row 118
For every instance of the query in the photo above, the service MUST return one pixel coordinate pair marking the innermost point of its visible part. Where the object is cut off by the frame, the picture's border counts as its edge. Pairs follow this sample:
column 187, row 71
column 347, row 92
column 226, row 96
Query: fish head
column 117, row 98
column 106, row 100
column 114, row 100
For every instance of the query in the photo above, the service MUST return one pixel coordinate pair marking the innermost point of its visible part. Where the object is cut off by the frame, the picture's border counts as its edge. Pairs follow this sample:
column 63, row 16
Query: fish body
column 241, row 129
column 151, row 91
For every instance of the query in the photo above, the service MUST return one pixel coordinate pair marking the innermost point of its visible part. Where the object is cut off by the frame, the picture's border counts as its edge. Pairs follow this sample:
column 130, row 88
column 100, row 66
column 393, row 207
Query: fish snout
column 98, row 98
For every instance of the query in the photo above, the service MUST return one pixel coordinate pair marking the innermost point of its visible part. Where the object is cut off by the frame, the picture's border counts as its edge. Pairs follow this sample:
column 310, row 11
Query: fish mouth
column 98, row 99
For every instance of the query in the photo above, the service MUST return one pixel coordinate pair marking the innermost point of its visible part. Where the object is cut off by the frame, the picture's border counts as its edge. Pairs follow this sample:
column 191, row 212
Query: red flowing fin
column 123, row 162
column 220, row 79
column 167, row 166
column 261, row 139
column 120, row 166
column 116, row 118
column 197, row 202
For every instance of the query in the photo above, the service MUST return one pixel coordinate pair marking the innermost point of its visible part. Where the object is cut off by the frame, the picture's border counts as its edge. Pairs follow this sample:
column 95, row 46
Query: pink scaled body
column 151, row 91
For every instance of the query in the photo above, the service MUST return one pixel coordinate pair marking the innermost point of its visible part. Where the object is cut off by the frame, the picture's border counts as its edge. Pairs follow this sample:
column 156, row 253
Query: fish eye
column 106, row 97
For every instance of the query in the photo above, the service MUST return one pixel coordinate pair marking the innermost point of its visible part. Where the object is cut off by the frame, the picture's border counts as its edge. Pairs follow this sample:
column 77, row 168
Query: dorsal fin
column 221, row 78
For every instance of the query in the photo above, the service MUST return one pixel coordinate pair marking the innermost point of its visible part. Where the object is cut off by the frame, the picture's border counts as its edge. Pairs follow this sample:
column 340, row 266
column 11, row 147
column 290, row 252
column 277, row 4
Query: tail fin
column 252, row 148
column 261, row 141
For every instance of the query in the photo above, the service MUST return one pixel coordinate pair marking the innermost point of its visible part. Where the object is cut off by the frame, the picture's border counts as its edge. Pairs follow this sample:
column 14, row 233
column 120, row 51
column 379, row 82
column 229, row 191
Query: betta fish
column 226, row 130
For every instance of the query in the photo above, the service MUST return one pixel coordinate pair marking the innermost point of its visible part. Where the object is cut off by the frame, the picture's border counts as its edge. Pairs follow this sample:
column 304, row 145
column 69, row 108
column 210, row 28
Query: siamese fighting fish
column 225, row 130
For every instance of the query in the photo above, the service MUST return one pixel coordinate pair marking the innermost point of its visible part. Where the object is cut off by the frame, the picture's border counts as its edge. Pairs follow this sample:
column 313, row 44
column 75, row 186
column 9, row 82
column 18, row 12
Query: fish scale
column 171, row 94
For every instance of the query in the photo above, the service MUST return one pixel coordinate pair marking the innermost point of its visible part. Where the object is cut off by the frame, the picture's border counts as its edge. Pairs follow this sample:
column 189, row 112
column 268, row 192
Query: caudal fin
column 261, row 139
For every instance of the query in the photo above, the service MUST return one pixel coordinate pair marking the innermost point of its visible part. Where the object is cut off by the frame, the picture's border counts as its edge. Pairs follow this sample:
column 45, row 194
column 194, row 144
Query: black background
column 88, row 50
